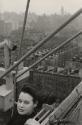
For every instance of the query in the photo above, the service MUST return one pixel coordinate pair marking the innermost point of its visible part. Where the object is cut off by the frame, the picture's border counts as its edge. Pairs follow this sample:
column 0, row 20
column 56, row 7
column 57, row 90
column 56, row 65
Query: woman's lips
column 21, row 110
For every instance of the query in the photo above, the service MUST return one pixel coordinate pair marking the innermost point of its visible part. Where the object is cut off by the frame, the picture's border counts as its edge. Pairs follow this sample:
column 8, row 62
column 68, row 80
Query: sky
column 41, row 6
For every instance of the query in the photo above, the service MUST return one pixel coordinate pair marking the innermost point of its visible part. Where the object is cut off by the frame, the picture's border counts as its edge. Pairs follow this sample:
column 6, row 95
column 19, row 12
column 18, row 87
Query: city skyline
column 40, row 6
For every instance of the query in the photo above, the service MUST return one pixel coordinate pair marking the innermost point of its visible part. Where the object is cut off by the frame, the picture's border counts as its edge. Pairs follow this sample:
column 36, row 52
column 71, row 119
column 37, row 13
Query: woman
column 26, row 107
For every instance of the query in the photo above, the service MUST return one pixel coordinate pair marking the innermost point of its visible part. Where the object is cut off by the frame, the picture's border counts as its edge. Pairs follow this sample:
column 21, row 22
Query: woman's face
column 25, row 104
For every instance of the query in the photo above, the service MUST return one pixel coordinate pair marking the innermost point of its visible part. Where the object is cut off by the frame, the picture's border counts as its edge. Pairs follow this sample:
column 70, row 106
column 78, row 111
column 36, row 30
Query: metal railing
column 43, row 41
column 51, row 52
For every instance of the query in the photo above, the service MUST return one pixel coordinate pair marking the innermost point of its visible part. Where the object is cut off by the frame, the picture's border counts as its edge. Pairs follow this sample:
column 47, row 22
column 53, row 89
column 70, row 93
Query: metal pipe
column 51, row 52
column 36, row 116
column 43, row 117
column 43, row 41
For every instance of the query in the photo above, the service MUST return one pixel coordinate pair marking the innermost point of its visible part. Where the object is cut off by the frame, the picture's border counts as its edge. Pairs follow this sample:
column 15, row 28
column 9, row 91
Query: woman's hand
column 32, row 122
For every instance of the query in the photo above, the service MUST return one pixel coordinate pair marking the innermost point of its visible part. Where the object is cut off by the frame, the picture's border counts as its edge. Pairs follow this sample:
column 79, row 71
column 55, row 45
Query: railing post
column 6, row 56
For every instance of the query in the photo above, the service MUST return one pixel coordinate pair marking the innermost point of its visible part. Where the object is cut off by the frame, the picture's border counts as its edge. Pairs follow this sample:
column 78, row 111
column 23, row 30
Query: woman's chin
column 21, row 112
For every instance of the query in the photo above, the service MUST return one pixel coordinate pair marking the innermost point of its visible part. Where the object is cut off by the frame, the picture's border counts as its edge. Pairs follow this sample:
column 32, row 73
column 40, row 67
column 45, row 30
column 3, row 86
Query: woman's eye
column 26, row 102
column 19, row 100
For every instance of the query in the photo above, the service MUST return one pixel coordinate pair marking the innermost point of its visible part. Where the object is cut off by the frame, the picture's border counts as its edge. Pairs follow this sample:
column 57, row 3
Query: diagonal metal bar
column 43, row 41
column 51, row 52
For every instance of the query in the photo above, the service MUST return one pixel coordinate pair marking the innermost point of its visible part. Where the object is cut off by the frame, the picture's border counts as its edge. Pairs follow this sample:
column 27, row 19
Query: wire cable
column 23, row 30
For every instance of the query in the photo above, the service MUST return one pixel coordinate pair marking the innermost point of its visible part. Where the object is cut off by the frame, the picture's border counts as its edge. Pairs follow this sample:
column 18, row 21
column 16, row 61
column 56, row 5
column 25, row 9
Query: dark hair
column 31, row 91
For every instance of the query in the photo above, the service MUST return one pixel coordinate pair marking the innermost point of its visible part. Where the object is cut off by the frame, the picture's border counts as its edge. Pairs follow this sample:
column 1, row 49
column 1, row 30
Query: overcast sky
column 40, row 6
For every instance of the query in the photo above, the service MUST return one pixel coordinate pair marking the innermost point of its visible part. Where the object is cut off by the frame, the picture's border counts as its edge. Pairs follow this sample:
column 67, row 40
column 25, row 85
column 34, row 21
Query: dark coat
column 19, row 119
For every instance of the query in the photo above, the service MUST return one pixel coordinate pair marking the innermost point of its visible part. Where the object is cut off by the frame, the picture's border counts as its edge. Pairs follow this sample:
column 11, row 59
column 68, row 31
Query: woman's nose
column 21, row 104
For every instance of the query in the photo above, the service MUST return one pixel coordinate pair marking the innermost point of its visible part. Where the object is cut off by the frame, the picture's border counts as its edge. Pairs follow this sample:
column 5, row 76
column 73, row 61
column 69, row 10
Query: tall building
column 62, row 11
column 5, row 28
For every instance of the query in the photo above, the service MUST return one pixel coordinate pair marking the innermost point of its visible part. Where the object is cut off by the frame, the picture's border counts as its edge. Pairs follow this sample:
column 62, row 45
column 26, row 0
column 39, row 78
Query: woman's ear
column 35, row 104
